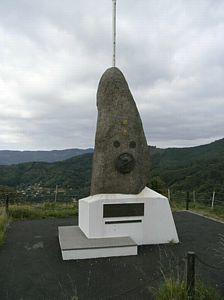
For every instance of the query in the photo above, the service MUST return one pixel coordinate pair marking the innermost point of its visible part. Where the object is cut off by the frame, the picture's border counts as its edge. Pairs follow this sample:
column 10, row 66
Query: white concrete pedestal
column 75, row 245
column 145, row 219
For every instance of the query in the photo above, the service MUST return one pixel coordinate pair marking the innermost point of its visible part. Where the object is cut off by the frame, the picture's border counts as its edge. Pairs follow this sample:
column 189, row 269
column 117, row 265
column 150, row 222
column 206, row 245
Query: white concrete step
column 75, row 245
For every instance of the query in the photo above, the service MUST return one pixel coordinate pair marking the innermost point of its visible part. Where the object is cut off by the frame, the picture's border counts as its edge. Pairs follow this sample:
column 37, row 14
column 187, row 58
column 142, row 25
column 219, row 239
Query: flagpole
column 114, row 33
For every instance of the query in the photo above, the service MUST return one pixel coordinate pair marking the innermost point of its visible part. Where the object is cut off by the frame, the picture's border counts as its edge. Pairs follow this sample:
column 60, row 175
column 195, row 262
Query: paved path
column 31, row 266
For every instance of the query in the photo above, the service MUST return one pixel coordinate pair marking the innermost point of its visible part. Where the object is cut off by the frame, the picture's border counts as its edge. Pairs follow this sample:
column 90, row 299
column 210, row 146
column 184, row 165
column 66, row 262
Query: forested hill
column 198, row 168
column 9, row 157
column 178, row 156
column 74, row 173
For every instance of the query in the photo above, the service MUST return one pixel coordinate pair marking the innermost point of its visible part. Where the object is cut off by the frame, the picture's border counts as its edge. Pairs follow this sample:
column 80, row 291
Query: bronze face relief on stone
column 125, row 163
column 121, row 156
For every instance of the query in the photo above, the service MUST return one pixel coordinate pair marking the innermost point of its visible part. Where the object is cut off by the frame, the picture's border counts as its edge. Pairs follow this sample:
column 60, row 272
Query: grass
column 3, row 224
column 42, row 211
column 175, row 289
column 174, row 286
column 171, row 289
column 32, row 211
column 217, row 212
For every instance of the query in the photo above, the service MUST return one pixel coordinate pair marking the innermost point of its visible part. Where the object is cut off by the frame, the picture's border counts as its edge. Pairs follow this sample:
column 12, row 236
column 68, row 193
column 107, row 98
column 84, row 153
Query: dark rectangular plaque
column 123, row 210
column 123, row 222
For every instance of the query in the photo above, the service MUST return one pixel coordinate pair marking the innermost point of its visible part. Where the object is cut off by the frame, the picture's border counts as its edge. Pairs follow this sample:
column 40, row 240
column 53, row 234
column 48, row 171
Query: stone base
column 114, row 224
column 146, row 218
column 75, row 245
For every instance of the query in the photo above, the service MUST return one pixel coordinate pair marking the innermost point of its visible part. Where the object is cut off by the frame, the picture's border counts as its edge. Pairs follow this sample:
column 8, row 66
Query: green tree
column 158, row 185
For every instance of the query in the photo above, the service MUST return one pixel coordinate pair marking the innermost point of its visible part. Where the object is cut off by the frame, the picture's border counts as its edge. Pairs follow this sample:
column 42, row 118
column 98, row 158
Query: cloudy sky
column 53, row 53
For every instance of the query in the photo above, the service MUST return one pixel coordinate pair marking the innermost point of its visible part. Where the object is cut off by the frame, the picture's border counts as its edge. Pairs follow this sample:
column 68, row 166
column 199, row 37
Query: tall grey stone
column 121, row 156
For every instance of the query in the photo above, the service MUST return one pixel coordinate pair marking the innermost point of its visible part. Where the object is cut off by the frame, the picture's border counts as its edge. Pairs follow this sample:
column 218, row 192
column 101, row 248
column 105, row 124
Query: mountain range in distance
column 171, row 155
column 10, row 157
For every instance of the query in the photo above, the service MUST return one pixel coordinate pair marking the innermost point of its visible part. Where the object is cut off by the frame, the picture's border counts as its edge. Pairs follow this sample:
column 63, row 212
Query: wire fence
column 33, row 198
column 211, row 199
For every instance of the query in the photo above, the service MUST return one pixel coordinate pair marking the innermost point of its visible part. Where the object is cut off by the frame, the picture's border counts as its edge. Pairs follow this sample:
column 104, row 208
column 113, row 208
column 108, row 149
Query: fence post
column 7, row 204
column 213, row 199
column 187, row 201
column 168, row 192
column 194, row 198
column 56, row 194
column 190, row 275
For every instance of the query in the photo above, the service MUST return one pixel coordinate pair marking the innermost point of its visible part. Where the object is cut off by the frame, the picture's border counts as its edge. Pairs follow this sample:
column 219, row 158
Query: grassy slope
column 216, row 213
column 42, row 211
column 35, row 211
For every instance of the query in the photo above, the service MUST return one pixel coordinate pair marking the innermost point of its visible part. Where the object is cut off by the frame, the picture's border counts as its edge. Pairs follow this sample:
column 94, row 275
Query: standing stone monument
column 121, row 156
column 121, row 212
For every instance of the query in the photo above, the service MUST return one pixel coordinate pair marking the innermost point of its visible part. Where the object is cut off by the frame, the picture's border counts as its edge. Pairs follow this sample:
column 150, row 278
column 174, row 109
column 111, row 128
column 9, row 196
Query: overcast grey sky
column 53, row 53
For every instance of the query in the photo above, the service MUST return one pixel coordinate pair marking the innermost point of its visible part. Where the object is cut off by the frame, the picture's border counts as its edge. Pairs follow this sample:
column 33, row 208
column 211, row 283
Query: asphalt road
column 31, row 266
